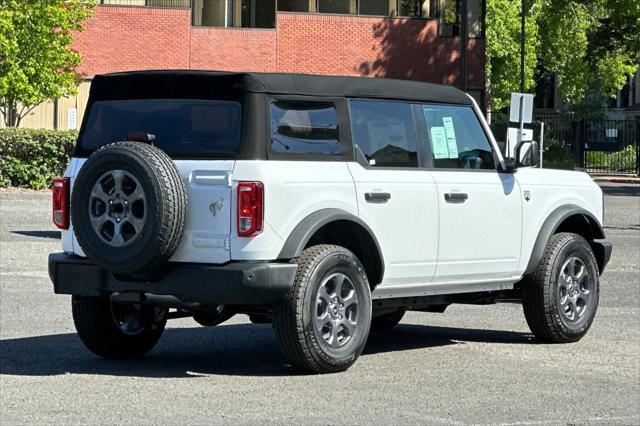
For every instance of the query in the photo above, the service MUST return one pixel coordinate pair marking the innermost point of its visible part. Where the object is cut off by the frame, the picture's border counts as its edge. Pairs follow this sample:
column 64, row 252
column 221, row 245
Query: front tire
column 323, row 323
column 117, row 330
column 560, row 298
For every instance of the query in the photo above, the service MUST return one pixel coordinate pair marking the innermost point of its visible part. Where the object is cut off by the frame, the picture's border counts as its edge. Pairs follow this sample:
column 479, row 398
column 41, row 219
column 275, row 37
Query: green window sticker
column 439, row 143
column 452, row 145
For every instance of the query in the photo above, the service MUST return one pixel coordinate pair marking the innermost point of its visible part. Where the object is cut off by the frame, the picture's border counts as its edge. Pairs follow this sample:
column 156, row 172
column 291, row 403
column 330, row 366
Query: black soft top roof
column 211, row 84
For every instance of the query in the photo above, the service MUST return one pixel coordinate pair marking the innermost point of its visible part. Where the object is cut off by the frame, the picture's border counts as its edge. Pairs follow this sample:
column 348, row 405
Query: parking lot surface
column 469, row 365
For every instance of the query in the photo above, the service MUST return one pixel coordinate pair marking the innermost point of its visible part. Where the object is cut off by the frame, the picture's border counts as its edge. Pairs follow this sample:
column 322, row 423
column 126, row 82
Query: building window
column 262, row 13
column 258, row 13
column 337, row 6
column 294, row 5
column 545, row 90
column 234, row 13
column 168, row 3
column 449, row 16
column 625, row 96
column 415, row 8
column 213, row 13
column 150, row 3
column 374, row 7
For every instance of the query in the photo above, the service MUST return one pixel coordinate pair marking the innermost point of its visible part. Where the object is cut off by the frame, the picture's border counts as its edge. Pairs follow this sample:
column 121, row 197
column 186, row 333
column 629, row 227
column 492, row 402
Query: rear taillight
column 250, row 208
column 60, row 203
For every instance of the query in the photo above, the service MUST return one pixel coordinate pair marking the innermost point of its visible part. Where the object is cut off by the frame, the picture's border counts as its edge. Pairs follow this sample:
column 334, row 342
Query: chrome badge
column 216, row 206
column 527, row 195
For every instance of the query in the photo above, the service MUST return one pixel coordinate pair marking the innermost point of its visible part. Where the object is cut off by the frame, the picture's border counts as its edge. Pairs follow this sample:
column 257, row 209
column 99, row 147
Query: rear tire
column 129, row 208
column 117, row 330
column 323, row 323
column 560, row 298
column 387, row 321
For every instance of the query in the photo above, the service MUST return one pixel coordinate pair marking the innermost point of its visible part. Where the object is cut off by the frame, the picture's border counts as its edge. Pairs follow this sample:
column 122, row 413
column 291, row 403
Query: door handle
column 455, row 197
column 377, row 197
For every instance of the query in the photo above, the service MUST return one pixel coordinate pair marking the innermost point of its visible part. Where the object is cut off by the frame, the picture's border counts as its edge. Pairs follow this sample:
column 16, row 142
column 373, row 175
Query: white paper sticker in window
column 451, row 137
column 439, row 143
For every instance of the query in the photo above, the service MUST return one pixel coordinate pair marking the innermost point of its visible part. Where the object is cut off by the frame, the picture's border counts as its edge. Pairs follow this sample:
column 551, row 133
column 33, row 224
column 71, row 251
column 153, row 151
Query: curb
column 607, row 179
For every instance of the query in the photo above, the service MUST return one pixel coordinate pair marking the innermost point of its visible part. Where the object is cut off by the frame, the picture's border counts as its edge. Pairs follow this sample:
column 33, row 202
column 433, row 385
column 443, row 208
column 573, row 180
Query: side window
column 456, row 138
column 303, row 127
column 385, row 133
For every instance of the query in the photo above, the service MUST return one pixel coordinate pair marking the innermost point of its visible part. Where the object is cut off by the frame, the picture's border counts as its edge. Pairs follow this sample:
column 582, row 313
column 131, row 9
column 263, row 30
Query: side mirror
column 508, row 165
column 527, row 154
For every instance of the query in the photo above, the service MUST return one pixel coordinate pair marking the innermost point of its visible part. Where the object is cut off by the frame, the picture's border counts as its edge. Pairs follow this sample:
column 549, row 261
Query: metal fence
column 596, row 146
column 611, row 147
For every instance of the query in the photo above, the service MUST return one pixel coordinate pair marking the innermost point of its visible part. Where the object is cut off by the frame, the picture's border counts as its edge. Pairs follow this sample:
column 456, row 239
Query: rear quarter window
column 182, row 127
column 304, row 127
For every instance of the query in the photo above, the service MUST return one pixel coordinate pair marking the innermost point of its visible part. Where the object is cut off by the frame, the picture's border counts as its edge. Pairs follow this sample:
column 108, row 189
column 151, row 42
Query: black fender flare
column 302, row 233
column 551, row 225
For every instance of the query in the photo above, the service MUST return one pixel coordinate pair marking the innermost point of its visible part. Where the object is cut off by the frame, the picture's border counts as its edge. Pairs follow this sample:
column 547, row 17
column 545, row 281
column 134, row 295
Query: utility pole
column 464, row 41
column 522, row 36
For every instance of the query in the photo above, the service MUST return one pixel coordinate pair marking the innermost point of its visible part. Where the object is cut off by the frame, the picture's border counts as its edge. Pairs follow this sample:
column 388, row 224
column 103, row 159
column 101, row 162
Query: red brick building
column 406, row 39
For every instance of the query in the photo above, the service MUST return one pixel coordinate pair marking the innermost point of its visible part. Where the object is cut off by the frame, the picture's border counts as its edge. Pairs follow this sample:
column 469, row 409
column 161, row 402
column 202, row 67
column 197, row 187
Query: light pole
column 522, row 34
column 464, row 41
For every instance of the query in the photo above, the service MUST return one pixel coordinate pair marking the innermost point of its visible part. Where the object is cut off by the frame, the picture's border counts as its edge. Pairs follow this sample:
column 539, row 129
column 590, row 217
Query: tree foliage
column 581, row 42
column 503, row 50
column 36, row 59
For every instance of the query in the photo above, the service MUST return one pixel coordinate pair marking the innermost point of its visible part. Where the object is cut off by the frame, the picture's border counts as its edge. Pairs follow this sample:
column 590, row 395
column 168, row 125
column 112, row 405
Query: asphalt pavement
column 469, row 365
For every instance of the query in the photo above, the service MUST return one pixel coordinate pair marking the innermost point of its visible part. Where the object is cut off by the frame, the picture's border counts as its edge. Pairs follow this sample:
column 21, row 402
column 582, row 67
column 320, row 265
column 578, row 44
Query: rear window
column 182, row 127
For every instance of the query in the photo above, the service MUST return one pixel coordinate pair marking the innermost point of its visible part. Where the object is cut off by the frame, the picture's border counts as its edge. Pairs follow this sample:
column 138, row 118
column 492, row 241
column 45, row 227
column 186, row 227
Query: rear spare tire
column 128, row 207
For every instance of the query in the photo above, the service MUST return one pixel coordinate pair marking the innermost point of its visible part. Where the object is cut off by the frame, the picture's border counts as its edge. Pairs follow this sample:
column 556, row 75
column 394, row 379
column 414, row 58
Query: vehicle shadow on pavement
column 237, row 349
column 39, row 234
column 622, row 190
column 410, row 336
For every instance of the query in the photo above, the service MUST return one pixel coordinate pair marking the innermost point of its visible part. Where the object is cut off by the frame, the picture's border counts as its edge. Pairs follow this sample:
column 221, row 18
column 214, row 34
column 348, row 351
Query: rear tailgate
column 202, row 136
column 206, row 236
column 207, row 230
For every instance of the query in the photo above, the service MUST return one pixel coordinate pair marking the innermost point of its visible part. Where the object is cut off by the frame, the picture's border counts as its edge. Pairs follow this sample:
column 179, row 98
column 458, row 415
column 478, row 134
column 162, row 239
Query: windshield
column 182, row 127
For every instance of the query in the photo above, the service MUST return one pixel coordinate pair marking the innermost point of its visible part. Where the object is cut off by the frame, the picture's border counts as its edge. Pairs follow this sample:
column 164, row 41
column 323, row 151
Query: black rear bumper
column 234, row 283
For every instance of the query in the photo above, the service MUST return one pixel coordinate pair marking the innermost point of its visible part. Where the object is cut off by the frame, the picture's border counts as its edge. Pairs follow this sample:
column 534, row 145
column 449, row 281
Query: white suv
column 326, row 205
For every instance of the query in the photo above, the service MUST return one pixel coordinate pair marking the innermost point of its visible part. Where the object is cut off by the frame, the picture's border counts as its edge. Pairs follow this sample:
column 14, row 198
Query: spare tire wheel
column 128, row 207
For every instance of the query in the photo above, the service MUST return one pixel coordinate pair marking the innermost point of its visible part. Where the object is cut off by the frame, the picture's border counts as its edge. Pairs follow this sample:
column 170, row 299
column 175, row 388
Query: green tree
column 582, row 42
column 503, row 50
column 36, row 59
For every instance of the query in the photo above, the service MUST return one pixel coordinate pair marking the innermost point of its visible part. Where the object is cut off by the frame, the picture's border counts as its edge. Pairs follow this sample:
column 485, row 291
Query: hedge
column 32, row 158
column 617, row 161
column 557, row 155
